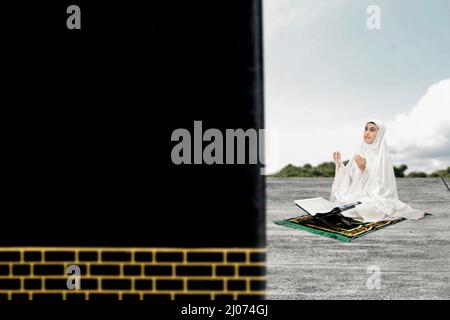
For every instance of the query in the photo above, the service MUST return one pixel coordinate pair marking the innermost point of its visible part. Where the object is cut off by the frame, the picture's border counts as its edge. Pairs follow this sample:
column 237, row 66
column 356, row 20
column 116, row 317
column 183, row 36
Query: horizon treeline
column 327, row 169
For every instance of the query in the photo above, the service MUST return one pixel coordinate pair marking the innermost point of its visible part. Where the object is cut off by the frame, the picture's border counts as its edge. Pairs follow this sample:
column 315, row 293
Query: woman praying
column 369, row 178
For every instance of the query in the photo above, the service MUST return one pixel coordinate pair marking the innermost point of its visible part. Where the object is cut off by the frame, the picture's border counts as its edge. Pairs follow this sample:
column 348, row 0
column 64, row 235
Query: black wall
column 83, row 167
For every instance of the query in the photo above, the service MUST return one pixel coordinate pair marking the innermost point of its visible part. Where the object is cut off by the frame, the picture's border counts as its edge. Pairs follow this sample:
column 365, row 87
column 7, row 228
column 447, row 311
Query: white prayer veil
column 378, row 163
column 380, row 185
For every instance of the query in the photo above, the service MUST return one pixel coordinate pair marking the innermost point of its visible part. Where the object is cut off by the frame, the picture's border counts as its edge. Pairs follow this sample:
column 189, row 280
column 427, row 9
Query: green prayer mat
column 340, row 231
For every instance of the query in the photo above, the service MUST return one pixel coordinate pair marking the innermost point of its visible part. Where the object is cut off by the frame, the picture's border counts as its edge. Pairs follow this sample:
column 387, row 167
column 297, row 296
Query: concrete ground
column 413, row 257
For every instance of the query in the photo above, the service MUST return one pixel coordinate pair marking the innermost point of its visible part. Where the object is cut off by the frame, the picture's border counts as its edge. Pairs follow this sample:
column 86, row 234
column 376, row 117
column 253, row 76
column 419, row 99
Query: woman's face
column 370, row 133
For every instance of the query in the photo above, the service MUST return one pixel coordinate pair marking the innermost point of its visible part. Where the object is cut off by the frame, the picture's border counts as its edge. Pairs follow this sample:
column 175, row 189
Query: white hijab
column 381, row 185
column 378, row 163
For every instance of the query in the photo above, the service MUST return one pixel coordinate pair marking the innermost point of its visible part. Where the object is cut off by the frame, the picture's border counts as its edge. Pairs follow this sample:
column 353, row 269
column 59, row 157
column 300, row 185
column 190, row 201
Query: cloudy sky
column 326, row 73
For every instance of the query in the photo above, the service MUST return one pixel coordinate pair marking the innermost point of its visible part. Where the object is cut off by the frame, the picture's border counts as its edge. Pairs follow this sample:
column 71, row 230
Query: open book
column 319, row 206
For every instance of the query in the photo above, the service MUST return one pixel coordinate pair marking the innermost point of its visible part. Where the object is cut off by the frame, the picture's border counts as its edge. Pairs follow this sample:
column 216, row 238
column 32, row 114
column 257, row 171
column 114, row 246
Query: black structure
column 85, row 169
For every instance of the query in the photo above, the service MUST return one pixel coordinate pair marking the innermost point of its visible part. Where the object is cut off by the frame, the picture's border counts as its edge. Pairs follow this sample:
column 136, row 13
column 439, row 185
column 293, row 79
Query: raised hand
column 361, row 162
column 337, row 158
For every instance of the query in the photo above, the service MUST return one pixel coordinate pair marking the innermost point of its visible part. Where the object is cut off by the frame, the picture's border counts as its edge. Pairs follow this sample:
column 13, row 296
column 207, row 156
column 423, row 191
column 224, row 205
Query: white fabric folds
column 375, row 187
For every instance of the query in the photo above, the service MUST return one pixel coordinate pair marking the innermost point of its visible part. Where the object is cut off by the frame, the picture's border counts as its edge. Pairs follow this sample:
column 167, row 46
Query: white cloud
column 421, row 138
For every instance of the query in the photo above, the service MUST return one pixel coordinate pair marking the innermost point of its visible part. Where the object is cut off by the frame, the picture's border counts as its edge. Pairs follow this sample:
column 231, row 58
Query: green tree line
column 327, row 169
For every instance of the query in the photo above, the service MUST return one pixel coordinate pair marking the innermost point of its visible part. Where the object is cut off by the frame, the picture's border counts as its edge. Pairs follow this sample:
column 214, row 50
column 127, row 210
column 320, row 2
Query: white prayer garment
column 375, row 187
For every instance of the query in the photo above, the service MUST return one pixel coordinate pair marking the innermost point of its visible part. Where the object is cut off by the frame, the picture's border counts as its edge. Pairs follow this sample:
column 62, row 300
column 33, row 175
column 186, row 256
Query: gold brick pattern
column 132, row 273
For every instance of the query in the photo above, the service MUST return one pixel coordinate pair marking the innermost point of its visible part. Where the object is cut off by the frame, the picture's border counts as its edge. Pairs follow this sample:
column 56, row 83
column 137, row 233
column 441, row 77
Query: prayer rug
column 335, row 229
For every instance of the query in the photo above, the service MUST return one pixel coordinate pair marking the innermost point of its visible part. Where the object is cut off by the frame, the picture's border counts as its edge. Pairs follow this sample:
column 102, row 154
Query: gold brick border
column 157, row 273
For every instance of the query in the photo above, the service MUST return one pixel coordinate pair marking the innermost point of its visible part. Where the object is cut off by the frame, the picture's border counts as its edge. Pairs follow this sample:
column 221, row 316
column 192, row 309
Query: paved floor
column 413, row 257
